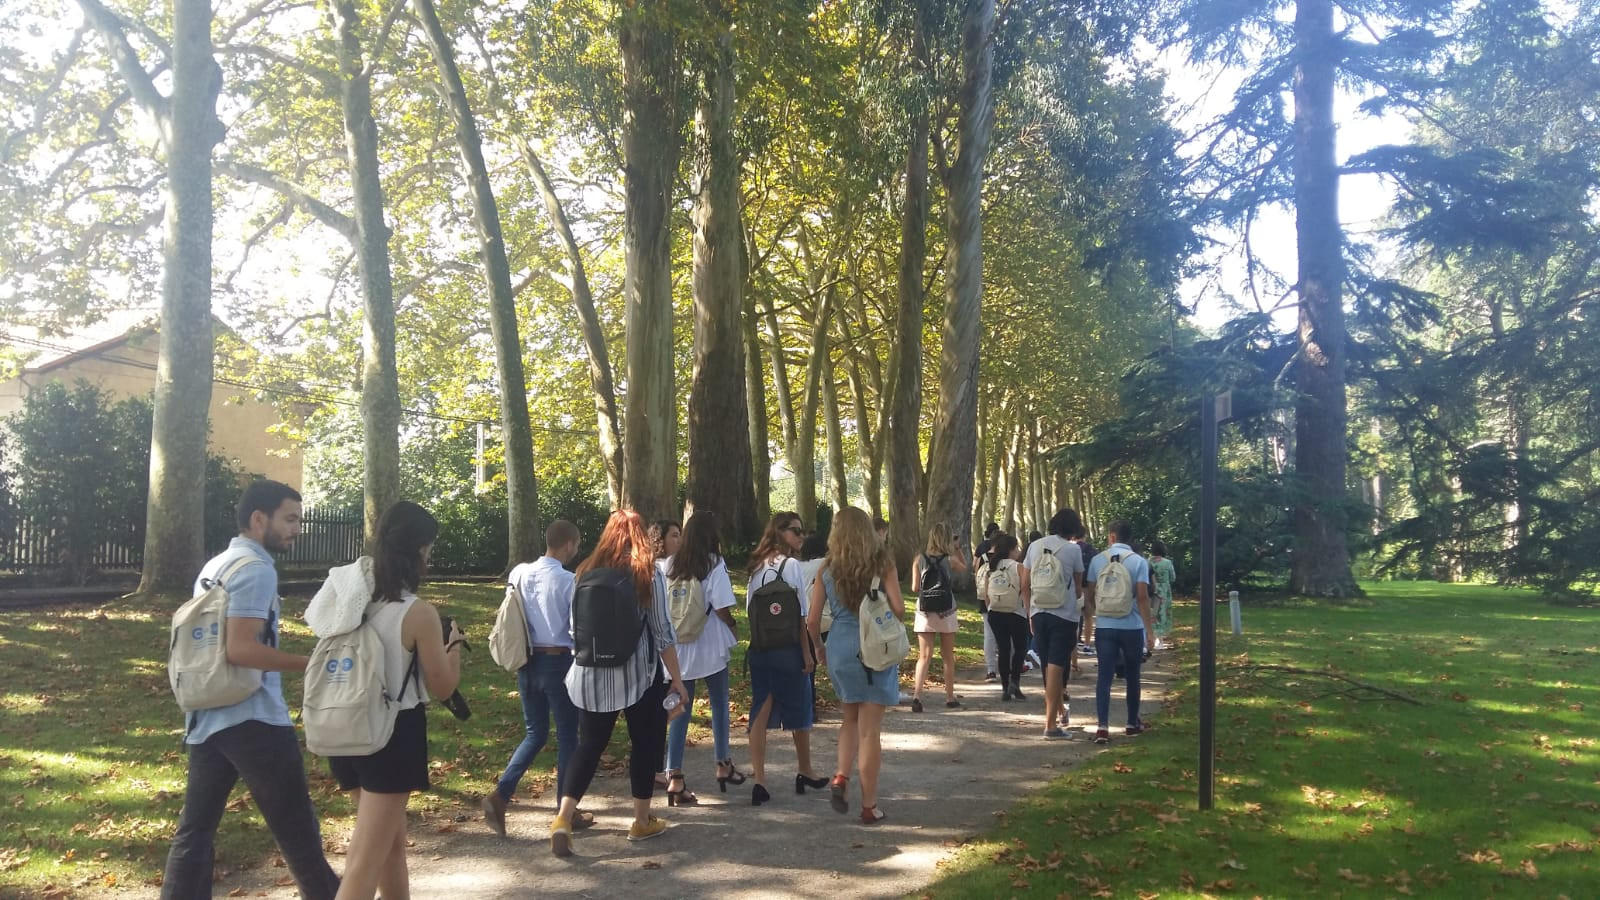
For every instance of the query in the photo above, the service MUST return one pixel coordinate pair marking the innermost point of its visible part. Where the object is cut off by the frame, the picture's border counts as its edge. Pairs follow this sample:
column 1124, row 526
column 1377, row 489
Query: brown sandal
column 872, row 815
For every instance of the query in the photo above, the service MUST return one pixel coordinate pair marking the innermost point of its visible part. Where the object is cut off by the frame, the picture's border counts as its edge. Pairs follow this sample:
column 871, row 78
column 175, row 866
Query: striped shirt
column 619, row 687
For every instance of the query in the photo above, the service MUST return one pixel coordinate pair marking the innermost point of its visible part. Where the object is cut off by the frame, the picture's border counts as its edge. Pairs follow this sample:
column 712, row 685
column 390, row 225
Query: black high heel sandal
column 734, row 776
column 801, row 783
column 682, row 796
column 759, row 795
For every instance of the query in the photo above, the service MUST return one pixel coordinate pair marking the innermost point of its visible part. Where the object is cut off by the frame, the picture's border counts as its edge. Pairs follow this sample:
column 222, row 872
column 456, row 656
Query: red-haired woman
column 634, row 688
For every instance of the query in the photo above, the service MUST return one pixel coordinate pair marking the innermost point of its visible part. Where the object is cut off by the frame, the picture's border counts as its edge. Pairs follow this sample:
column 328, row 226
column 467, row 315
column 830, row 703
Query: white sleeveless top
column 387, row 618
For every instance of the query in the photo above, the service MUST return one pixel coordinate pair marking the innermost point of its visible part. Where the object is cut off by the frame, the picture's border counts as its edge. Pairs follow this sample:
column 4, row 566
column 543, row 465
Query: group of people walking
column 805, row 608
column 688, row 595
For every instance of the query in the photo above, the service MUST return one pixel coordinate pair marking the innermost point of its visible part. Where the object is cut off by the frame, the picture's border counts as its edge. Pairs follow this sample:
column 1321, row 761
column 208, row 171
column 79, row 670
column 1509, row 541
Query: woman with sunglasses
column 780, row 683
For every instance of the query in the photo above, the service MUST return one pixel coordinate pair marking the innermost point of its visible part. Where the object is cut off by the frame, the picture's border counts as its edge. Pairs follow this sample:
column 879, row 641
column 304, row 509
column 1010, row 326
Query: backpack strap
column 775, row 566
column 230, row 570
column 413, row 674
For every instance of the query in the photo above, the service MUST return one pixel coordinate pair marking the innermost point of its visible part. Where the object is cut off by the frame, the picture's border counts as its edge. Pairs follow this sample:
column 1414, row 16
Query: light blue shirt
column 546, row 588
column 252, row 594
column 1137, row 568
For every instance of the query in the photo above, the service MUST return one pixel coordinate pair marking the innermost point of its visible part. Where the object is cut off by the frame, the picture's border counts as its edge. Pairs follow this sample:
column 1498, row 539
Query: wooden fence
column 327, row 536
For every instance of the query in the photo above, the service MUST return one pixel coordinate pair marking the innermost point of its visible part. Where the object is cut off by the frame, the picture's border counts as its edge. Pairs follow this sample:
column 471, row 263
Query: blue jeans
column 1110, row 644
column 678, row 729
column 268, row 758
column 544, row 691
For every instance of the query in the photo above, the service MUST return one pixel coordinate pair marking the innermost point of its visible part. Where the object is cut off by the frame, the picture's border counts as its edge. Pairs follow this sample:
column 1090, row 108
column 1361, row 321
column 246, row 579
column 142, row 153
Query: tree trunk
column 756, row 395
column 981, row 489
column 1321, row 566
column 380, row 380
column 1013, row 483
column 905, row 525
column 174, row 547
column 803, row 454
column 525, row 542
column 652, row 122
column 834, row 432
column 866, row 451
column 1041, row 499
column 719, row 449
column 951, row 469
column 601, row 383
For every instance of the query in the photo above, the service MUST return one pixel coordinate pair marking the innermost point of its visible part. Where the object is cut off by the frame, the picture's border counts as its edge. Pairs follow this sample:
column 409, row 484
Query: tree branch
column 140, row 83
column 301, row 197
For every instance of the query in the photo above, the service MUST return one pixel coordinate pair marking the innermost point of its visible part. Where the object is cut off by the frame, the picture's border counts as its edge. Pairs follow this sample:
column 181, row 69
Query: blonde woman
column 933, row 578
column 855, row 558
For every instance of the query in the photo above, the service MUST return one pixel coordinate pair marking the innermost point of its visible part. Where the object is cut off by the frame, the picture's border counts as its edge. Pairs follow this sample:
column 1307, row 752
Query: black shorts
column 1054, row 638
column 401, row 767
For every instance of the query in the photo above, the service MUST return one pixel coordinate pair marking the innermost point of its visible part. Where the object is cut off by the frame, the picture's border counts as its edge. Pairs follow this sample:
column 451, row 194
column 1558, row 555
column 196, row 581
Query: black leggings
column 647, row 734
column 1011, row 635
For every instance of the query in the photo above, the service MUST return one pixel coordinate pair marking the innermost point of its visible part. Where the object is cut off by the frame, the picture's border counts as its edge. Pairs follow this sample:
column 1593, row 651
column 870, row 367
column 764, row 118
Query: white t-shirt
column 709, row 653
column 1071, row 559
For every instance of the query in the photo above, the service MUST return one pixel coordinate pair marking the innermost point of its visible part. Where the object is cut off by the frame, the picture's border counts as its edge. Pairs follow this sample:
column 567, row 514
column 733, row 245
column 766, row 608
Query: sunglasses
column 797, row 530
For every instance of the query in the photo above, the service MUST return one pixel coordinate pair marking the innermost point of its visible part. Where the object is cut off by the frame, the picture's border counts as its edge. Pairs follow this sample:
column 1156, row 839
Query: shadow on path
column 946, row 773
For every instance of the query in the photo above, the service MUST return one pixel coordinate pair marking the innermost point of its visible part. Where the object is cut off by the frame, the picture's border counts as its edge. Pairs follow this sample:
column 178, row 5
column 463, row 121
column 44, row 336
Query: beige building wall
column 240, row 424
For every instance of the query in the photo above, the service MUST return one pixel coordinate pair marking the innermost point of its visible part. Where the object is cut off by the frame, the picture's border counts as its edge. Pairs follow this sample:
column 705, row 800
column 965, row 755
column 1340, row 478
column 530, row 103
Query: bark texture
column 651, row 141
column 380, row 380
column 951, row 469
column 838, row 481
column 1321, row 566
column 720, row 477
column 905, row 524
column 525, row 539
column 601, row 382
column 756, row 400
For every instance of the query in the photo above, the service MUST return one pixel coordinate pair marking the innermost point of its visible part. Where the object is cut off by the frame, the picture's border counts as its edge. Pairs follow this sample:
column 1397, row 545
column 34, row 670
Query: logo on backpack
column 198, row 667
column 1114, row 590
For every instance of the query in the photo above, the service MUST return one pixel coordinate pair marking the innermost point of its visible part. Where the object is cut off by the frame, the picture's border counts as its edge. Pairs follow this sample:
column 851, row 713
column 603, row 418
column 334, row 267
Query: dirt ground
column 946, row 774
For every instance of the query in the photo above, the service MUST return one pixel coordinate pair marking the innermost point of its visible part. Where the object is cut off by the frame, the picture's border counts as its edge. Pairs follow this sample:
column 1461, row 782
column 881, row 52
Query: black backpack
column 774, row 614
column 606, row 618
column 937, row 595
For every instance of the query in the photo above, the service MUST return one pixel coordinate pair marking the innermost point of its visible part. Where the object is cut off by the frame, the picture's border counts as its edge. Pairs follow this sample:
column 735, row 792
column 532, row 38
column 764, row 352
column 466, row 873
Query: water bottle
column 671, row 701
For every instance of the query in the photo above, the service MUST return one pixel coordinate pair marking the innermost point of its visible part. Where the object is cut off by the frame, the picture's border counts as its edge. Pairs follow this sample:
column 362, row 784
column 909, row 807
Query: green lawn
column 1490, row 787
column 92, row 769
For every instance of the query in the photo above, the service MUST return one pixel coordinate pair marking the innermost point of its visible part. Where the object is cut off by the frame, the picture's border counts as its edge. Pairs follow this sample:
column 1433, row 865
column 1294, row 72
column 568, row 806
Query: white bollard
column 1233, row 612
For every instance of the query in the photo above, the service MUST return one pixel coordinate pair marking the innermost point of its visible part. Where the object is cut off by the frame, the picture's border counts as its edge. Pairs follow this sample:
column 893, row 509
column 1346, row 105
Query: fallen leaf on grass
column 1355, row 878
column 1527, row 870
column 1481, row 856
column 1231, row 864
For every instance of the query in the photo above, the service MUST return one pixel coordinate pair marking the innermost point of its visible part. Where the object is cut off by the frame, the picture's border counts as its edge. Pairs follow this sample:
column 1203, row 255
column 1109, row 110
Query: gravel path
column 940, row 785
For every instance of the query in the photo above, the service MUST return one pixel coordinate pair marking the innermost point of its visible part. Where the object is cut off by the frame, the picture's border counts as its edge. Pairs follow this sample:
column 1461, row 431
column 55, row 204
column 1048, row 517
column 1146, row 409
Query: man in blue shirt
column 254, row 738
column 546, row 588
column 1123, row 637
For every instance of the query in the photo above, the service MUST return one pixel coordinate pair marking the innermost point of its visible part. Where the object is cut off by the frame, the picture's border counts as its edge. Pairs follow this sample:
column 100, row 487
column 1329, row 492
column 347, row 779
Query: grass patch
column 1490, row 787
column 92, row 765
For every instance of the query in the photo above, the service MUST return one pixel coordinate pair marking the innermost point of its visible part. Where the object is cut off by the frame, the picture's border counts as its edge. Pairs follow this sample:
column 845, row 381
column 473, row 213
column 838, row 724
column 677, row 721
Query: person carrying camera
column 410, row 630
